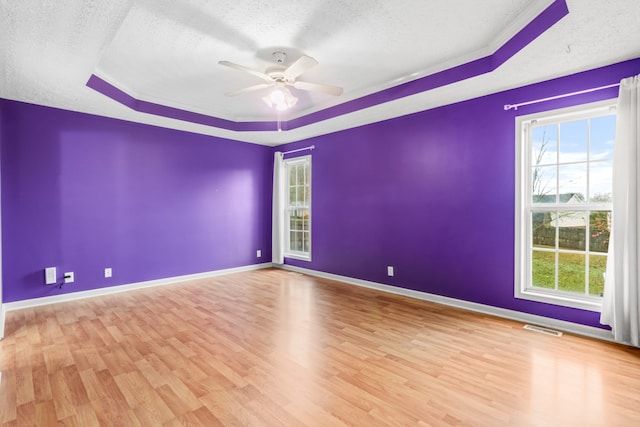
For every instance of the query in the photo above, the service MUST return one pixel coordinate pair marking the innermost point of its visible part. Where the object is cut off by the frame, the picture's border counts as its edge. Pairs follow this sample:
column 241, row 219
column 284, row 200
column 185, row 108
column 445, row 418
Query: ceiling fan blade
column 299, row 67
column 314, row 87
column 248, row 70
column 249, row 89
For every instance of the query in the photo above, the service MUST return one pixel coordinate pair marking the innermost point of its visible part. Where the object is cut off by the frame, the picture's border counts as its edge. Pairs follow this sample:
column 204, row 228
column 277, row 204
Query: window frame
column 524, row 207
column 288, row 252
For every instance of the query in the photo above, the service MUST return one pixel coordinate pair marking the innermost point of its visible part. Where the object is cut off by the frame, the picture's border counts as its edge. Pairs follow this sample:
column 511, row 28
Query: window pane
column 600, row 181
column 599, row 231
column 300, row 174
column 571, row 272
column 544, row 146
column 294, row 223
column 305, row 242
column 573, row 141
column 301, row 201
column 597, row 268
column 296, row 241
column 292, row 175
column 293, row 240
column 603, row 131
column 542, row 231
column 543, row 180
column 572, row 228
column 305, row 222
column 292, row 196
column 573, row 183
column 543, row 269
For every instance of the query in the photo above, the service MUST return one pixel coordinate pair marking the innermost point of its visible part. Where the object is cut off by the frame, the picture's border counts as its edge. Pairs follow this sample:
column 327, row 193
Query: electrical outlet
column 259, row 253
column 108, row 272
column 390, row 271
column 50, row 275
column 69, row 277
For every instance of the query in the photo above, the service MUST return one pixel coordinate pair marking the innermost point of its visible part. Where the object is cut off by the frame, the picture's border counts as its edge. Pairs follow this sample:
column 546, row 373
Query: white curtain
column 621, row 302
column 277, row 226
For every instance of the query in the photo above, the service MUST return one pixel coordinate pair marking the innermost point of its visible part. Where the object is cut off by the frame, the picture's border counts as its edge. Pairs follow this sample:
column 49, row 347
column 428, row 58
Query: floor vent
column 543, row 330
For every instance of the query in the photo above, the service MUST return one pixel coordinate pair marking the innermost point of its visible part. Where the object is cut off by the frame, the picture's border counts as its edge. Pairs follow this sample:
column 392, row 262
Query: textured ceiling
column 165, row 53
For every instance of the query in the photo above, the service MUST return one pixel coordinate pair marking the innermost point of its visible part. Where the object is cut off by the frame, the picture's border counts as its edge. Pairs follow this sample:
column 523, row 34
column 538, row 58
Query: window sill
column 561, row 300
column 299, row 257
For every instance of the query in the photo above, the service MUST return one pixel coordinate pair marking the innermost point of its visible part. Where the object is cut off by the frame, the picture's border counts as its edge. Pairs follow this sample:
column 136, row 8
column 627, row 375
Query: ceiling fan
column 279, row 77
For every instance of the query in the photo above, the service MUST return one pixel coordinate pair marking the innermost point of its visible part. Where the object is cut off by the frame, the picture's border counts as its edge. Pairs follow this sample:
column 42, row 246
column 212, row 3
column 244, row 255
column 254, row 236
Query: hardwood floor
column 272, row 347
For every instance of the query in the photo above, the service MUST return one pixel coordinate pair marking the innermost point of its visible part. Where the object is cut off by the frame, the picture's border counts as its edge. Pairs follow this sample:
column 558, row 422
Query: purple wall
column 82, row 193
column 433, row 195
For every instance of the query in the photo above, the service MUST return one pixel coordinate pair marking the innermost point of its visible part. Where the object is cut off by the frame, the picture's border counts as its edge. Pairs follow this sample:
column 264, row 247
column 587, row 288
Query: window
column 563, row 196
column 298, row 208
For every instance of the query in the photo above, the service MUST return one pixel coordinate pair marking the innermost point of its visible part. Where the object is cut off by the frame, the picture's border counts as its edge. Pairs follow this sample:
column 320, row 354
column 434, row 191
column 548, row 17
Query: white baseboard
column 35, row 302
column 562, row 325
column 574, row 328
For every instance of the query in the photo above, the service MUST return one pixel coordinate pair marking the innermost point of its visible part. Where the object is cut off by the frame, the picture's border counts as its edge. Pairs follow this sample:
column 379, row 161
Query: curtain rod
column 535, row 101
column 311, row 147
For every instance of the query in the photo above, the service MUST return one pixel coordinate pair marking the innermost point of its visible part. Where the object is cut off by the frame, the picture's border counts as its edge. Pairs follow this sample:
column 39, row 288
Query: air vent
column 543, row 330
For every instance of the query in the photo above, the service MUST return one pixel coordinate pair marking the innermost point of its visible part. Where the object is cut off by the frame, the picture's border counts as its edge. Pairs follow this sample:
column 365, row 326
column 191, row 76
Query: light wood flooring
column 276, row 348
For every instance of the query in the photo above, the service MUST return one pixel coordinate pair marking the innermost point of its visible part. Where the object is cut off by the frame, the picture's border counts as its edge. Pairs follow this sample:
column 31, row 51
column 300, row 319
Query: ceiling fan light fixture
column 280, row 98
column 289, row 99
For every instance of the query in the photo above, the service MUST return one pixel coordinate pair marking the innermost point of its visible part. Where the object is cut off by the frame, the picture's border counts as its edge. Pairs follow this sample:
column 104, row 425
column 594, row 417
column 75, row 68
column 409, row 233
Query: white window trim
column 288, row 253
column 522, row 223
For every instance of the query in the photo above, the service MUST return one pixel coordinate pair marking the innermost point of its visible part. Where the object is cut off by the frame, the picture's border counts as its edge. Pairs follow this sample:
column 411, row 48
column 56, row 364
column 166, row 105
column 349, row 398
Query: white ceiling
column 167, row 52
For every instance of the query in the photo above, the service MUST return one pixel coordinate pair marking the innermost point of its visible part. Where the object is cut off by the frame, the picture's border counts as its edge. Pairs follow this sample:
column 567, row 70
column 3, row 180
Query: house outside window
column 298, row 208
column 564, row 204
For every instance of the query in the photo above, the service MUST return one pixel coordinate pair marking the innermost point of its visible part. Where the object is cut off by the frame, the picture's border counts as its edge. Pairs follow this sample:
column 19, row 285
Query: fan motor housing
column 276, row 72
